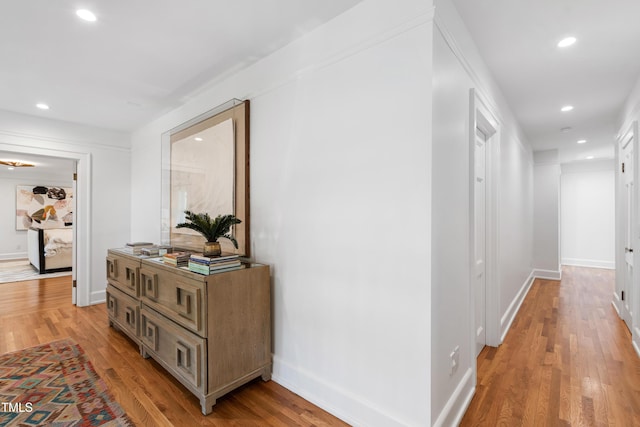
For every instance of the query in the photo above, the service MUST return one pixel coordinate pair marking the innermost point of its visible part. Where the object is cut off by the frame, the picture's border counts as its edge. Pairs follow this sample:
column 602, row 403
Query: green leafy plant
column 211, row 229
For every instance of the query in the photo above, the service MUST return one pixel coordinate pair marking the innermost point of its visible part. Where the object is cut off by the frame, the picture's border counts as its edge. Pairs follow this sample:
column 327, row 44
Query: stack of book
column 150, row 251
column 155, row 250
column 199, row 263
column 136, row 247
column 177, row 259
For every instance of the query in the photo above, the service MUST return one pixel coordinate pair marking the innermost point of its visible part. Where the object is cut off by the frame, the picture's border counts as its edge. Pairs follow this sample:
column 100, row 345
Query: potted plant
column 211, row 229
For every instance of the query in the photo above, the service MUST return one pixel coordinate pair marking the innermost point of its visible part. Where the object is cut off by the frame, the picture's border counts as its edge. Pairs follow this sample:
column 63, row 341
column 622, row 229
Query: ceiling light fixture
column 567, row 41
column 14, row 164
column 197, row 138
column 85, row 14
column 42, row 106
column 582, row 141
column 566, row 108
column 589, row 157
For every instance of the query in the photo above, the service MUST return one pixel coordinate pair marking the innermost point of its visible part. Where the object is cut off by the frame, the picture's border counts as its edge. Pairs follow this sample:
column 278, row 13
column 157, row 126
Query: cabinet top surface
column 158, row 262
column 127, row 252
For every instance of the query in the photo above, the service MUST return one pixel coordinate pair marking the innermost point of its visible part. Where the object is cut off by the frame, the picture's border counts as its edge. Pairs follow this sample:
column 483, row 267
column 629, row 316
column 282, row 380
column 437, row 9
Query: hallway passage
column 566, row 361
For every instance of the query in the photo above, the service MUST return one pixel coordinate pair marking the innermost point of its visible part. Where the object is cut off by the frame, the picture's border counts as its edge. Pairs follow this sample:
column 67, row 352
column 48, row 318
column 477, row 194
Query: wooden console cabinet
column 212, row 333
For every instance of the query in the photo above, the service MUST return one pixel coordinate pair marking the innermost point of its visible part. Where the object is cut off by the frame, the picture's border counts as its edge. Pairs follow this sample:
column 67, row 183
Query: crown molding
column 22, row 139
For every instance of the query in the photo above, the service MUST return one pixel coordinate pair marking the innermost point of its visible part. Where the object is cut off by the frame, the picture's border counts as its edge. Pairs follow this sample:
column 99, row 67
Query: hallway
column 566, row 361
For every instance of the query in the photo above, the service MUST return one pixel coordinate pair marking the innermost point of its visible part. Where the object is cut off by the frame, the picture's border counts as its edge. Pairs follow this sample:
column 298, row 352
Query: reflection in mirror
column 202, row 174
column 205, row 170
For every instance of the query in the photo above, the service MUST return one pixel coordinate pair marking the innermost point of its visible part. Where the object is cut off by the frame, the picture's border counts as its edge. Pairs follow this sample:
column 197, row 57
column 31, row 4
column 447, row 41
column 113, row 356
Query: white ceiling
column 140, row 58
column 143, row 58
column 46, row 168
column 517, row 39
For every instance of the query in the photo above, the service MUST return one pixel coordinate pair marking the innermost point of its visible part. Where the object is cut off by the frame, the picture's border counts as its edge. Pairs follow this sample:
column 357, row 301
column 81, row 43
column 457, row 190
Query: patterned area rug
column 21, row 270
column 55, row 385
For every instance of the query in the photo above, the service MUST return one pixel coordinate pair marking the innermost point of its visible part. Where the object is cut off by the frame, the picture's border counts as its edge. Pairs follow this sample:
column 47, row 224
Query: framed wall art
column 42, row 206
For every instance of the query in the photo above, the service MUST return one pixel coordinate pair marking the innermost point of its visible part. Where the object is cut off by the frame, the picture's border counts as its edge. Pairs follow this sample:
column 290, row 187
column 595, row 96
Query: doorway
column 626, row 289
column 484, row 153
column 81, row 269
column 40, row 195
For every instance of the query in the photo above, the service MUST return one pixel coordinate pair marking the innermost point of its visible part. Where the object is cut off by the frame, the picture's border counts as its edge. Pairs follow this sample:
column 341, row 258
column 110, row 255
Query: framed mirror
column 205, row 169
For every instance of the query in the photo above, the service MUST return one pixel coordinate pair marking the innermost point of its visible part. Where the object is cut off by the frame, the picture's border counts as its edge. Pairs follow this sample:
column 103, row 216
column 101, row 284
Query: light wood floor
column 566, row 361
column 40, row 311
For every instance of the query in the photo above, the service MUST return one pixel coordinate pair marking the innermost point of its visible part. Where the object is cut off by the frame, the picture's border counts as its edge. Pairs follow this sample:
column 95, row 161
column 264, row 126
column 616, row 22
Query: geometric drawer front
column 181, row 350
column 123, row 310
column 124, row 274
column 180, row 299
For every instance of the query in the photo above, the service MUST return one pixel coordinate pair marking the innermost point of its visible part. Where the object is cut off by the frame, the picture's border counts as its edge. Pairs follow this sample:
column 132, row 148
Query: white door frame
column 81, row 226
column 630, row 135
column 479, row 237
column 482, row 117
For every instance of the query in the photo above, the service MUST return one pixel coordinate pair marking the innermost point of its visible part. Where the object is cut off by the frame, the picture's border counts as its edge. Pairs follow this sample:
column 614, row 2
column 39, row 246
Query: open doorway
column 81, row 271
column 37, row 220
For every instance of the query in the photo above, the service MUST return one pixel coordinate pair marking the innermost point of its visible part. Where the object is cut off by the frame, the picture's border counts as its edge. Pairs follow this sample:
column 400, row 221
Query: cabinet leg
column 144, row 353
column 266, row 374
column 207, row 404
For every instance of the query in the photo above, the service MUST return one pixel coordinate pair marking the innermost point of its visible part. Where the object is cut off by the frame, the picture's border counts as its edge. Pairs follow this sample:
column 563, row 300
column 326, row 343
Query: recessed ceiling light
column 10, row 168
column 589, row 157
column 582, row 141
column 567, row 41
column 197, row 138
column 85, row 14
column 566, row 108
column 42, row 106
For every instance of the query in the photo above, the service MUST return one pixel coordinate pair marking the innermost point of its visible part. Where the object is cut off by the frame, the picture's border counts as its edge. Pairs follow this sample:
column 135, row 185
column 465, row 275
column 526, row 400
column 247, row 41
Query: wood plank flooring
column 566, row 361
column 40, row 311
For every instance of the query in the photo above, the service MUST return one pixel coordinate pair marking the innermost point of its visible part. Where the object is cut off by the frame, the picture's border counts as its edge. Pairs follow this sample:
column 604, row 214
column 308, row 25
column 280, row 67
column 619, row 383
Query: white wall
column 108, row 153
column 450, row 224
column 588, row 214
column 13, row 243
column 340, row 206
column 516, row 225
column 458, row 67
column 546, row 212
column 631, row 110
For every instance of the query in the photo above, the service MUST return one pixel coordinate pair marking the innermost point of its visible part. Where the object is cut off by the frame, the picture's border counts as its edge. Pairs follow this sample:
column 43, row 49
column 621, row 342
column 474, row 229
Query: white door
column 629, row 214
column 74, row 297
column 480, row 238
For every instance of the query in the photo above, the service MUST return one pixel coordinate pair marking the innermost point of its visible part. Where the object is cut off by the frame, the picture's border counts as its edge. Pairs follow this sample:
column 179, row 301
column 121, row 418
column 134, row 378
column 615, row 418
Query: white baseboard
column 615, row 302
column 510, row 314
column 547, row 274
column 635, row 347
column 457, row 405
column 98, row 297
column 342, row 403
column 16, row 255
column 610, row 265
column 635, row 340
